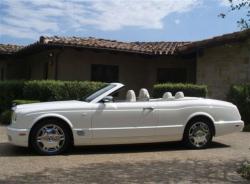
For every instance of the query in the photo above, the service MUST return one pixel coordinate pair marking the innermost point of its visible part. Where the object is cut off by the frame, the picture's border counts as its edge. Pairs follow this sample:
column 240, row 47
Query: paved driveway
column 150, row 163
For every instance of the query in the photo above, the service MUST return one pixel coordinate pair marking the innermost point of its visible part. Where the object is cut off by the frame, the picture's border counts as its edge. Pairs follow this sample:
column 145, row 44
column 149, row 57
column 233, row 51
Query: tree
column 240, row 5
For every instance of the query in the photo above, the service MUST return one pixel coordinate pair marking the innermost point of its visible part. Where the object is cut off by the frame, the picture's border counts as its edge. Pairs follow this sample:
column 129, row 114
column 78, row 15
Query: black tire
column 47, row 122
column 188, row 139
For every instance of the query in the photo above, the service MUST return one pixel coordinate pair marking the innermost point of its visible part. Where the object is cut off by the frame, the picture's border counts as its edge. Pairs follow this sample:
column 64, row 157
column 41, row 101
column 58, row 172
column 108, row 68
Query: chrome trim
column 228, row 122
column 17, row 129
column 141, row 127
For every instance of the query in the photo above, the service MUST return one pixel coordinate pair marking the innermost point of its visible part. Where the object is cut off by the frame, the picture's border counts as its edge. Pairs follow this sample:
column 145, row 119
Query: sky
column 23, row 21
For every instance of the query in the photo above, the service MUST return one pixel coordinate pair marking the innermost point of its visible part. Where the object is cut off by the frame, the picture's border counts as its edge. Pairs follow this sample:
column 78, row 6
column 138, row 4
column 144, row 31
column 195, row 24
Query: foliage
column 240, row 96
column 244, row 171
column 247, row 127
column 44, row 90
column 187, row 89
column 9, row 91
column 5, row 117
column 50, row 90
column 20, row 102
column 244, row 6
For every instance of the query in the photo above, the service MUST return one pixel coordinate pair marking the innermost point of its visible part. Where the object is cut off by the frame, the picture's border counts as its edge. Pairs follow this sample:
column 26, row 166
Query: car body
column 100, row 121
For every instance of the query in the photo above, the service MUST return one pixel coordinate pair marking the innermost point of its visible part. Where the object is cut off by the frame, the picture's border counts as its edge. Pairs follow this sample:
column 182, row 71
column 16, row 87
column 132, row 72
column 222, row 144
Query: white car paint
column 98, row 123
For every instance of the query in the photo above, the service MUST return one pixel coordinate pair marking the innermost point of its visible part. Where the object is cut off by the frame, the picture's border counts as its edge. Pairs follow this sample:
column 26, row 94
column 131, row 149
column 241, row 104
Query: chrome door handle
column 148, row 108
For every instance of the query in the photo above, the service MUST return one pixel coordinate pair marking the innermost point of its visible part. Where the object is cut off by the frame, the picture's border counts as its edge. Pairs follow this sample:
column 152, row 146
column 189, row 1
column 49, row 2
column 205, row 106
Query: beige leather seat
column 143, row 95
column 179, row 95
column 167, row 96
column 130, row 97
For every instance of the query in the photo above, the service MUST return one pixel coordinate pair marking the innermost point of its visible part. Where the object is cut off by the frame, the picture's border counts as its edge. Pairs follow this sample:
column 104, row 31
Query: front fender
column 51, row 115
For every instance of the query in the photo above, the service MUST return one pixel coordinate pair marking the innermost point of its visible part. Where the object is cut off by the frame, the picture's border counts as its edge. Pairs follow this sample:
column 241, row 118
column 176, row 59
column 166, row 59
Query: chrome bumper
column 18, row 137
column 227, row 127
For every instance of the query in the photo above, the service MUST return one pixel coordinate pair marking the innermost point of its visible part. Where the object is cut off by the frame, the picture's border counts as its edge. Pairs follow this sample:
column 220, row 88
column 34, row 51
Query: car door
column 171, row 120
column 124, row 121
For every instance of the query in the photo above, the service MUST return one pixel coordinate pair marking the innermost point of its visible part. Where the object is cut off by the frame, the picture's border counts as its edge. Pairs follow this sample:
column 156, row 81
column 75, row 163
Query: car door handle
column 148, row 108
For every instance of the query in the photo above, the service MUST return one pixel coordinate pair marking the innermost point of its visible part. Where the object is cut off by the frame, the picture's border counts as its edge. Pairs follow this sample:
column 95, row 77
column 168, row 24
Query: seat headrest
column 130, row 97
column 167, row 96
column 179, row 95
column 144, row 95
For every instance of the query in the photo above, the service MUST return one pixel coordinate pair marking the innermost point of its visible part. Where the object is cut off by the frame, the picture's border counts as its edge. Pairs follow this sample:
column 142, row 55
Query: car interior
column 145, row 96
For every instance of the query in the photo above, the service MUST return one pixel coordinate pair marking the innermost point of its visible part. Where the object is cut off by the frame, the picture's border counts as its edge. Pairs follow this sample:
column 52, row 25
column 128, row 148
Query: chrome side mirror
column 107, row 99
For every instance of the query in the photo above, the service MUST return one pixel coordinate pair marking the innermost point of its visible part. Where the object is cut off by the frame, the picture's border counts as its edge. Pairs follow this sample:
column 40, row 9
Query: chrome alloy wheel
column 199, row 134
column 50, row 138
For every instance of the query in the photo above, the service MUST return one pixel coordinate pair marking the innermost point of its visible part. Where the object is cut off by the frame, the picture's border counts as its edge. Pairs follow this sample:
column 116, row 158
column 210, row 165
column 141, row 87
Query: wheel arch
column 199, row 116
column 58, row 117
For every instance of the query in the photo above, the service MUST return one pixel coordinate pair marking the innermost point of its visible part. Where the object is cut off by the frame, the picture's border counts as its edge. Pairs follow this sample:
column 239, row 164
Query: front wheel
column 50, row 137
column 198, row 134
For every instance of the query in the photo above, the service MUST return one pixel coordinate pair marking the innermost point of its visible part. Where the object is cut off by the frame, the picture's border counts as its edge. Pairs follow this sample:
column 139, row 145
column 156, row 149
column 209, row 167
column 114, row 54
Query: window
column 105, row 73
column 45, row 70
column 173, row 75
column 2, row 73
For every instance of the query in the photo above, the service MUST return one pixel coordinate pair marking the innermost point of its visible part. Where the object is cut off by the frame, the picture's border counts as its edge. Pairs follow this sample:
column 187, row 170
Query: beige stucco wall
column 36, row 61
column 221, row 66
column 16, row 69
column 135, row 70
column 13, row 68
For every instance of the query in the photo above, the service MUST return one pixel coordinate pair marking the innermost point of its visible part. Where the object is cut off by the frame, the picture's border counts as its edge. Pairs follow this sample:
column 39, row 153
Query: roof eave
column 215, row 41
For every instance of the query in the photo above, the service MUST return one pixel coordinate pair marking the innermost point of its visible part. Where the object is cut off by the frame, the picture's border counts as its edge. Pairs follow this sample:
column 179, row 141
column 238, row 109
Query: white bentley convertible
column 51, row 127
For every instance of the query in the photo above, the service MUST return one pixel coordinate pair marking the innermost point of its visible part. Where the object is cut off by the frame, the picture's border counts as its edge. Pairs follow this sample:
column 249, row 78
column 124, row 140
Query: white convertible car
column 52, row 127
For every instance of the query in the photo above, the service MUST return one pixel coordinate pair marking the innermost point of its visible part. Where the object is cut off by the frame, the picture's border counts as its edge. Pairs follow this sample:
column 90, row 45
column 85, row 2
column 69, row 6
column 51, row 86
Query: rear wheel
column 50, row 137
column 198, row 134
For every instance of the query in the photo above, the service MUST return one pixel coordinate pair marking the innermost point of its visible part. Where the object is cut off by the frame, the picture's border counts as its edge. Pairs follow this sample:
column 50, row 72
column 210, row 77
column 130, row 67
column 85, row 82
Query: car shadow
column 9, row 150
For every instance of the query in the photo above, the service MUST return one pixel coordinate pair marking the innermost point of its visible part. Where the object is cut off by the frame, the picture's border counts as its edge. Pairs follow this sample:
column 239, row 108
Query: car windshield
column 98, row 92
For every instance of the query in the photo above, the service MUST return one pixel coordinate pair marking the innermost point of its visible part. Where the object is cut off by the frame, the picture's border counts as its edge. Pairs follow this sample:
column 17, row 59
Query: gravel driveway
column 148, row 163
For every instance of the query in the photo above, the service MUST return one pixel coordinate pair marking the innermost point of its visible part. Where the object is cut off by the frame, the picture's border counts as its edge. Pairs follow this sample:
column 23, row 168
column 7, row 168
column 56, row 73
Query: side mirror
column 107, row 99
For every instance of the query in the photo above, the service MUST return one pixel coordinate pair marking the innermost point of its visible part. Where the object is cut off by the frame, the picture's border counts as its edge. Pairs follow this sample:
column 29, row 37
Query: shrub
column 44, row 90
column 247, row 128
column 21, row 102
column 50, row 90
column 5, row 117
column 187, row 89
column 9, row 91
column 244, row 171
column 240, row 96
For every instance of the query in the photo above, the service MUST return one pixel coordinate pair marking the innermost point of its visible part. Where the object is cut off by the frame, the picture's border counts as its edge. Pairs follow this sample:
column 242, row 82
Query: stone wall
column 221, row 66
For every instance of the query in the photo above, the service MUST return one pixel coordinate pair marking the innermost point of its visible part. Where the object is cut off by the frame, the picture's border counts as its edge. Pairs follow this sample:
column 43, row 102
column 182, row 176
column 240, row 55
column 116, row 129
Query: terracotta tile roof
column 218, row 40
column 9, row 49
column 151, row 48
column 166, row 48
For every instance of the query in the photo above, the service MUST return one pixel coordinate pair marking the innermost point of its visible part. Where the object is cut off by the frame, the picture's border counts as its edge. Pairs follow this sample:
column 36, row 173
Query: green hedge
column 44, row 90
column 9, row 91
column 187, row 89
column 58, row 90
column 240, row 96
column 5, row 117
column 21, row 102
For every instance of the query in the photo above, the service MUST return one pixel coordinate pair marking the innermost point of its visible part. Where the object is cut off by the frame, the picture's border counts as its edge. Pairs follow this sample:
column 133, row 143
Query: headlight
column 14, row 117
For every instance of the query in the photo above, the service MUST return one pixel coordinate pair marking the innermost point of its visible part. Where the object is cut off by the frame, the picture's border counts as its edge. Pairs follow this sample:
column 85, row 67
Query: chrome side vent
column 80, row 133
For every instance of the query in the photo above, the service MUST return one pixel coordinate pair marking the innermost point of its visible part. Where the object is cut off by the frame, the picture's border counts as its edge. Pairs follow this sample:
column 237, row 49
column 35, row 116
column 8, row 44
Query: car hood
column 49, row 106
